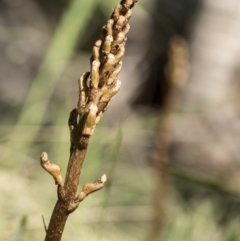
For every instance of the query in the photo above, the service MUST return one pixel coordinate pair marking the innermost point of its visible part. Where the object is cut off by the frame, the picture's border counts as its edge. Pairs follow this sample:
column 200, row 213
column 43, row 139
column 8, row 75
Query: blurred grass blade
column 22, row 227
column 72, row 24
column 113, row 159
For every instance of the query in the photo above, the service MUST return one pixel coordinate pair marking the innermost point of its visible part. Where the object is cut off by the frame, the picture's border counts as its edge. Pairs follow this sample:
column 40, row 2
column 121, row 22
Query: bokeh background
column 169, row 142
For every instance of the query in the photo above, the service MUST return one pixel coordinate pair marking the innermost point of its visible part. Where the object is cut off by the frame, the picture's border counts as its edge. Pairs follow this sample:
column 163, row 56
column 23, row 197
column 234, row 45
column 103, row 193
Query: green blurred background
column 44, row 48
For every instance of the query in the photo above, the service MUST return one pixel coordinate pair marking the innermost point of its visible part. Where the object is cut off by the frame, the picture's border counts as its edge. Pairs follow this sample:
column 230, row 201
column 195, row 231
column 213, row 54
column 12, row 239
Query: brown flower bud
column 51, row 168
column 91, row 187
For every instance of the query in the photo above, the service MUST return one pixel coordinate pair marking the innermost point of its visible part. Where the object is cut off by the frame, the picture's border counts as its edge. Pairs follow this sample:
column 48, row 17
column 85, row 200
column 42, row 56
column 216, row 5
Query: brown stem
column 57, row 222
column 66, row 203
column 96, row 88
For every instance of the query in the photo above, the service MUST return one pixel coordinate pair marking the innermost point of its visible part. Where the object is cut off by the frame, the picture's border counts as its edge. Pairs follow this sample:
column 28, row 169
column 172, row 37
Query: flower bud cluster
column 97, row 87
